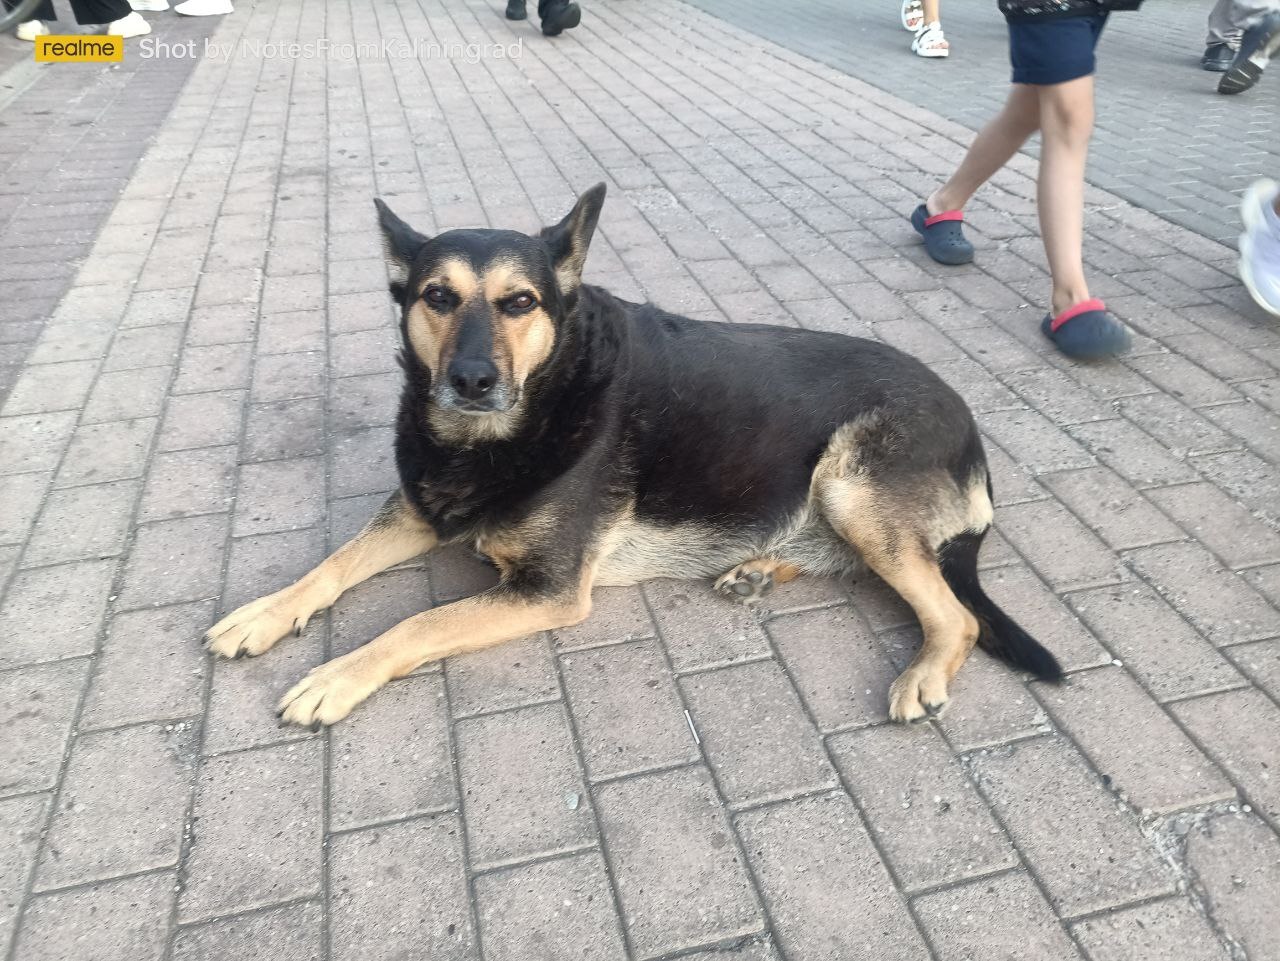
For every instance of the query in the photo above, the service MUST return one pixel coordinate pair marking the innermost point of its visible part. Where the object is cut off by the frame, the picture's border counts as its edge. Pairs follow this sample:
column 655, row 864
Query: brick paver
column 203, row 407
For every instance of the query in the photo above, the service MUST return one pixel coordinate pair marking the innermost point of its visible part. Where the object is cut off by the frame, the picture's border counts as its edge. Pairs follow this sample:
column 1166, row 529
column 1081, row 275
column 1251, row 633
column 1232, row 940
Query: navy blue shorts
column 1055, row 51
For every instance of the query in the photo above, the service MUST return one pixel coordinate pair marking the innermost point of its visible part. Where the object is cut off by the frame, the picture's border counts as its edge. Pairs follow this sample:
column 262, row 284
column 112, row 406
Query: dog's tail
column 998, row 633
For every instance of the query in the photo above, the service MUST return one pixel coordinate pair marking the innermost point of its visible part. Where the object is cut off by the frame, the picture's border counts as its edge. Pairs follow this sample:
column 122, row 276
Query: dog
column 579, row 440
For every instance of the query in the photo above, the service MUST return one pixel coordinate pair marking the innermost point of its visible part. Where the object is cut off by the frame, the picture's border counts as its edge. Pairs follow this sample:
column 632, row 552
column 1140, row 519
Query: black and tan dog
column 577, row 440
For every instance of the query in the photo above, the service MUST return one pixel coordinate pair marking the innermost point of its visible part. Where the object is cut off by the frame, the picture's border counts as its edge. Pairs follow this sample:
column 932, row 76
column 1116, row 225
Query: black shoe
column 559, row 17
column 516, row 11
column 1256, row 48
column 1217, row 57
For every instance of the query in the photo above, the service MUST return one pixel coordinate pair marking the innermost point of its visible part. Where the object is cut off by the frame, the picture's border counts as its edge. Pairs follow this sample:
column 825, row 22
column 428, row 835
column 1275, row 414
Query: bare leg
column 332, row 690
column 395, row 534
column 931, row 12
column 1066, row 124
column 995, row 144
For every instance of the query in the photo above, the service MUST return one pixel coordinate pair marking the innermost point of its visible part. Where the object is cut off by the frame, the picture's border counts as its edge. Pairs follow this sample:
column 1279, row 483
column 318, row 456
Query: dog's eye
column 435, row 295
column 520, row 303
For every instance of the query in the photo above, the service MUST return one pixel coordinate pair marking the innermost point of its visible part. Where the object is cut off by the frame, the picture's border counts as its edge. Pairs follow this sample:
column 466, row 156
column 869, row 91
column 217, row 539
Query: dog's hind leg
column 395, row 534
column 753, row 579
column 888, row 537
column 503, row 613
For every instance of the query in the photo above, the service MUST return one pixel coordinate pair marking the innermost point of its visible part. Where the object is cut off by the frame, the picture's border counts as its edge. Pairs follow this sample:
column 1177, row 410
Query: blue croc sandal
column 1086, row 331
column 943, row 235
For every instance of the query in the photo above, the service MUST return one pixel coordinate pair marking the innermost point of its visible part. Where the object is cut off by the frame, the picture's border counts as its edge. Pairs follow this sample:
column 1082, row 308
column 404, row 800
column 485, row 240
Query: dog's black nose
column 472, row 379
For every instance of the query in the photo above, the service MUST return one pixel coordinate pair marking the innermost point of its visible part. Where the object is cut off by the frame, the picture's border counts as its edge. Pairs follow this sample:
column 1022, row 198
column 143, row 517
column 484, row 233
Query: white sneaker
column 1260, row 245
column 150, row 6
column 204, row 8
column 30, row 30
column 131, row 26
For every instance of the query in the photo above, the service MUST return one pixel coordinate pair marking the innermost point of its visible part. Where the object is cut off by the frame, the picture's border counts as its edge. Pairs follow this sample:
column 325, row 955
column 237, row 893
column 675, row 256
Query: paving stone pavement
column 228, row 423
column 1165, row 140
column 52, row 202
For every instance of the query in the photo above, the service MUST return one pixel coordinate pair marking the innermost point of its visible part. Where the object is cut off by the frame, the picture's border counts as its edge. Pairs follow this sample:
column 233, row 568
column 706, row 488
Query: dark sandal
column 943, row 236
column 1086, row 331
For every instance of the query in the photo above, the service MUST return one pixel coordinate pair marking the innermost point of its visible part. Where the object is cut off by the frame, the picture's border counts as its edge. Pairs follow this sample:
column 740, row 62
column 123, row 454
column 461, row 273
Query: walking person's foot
column 943, row 233
column 1258, row 45
column 912, row 15
column 1218, row 57
column 516, row 10
column 1260, row 245
column 134, row 25
column 560, row 17
column 30, row 29
column 1086, row 331
column 205, row 8
column 930, row 42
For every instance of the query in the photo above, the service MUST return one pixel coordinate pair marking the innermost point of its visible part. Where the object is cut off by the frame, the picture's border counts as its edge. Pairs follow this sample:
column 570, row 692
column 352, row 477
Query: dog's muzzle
column 497, row 400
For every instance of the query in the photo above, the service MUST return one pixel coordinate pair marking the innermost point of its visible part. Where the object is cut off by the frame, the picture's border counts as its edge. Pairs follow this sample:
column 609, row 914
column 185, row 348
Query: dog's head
column 482, row 309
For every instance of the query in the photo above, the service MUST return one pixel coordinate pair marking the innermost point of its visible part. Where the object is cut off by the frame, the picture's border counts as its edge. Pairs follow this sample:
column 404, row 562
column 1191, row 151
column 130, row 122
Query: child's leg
column 1066, row 124
column 995, row 144
column 931, row 10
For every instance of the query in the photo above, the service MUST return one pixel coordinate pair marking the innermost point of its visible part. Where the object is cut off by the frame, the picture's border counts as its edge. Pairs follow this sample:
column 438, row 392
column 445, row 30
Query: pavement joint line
column 26, row 665
column 1243, row 685
column 423, row 815
column 487, row 712
column 303, row 735
column 144, row 722
column 95, row 882
column 768, row 801
column 256, row 910
column 597, row 645
column 642, row 772
column 722, row 665
column 718, row 945
column 959, row 882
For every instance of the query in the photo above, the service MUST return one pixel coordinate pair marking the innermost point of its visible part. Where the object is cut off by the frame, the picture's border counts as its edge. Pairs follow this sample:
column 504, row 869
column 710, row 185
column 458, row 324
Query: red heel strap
column 945, row 215
column 1084, row 307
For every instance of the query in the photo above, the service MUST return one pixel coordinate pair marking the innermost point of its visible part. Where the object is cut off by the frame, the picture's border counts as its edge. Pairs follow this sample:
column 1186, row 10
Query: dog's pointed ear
column 569, row 239
column 400, row 245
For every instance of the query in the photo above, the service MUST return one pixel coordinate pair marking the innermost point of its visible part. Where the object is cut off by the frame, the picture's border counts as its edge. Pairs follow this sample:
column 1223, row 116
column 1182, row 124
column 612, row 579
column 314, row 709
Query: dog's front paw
column 919, row 693
column 331, row 691
column 254, row 629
